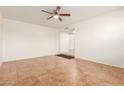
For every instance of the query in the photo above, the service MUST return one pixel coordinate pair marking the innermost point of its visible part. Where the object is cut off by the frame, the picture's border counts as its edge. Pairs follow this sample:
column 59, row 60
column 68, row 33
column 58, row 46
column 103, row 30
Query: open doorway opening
column 67, row 42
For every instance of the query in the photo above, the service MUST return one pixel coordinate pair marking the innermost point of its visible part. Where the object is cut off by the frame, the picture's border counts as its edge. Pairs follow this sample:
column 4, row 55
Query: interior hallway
column 70, row 52
column 53, row 70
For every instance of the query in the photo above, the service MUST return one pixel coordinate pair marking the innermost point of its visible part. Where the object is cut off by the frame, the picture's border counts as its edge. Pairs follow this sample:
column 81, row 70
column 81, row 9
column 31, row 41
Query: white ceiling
column 33, row 14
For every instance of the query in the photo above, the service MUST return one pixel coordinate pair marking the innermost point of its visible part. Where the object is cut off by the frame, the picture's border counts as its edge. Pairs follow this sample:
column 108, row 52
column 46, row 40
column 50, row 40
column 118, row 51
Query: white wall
column 0, row 37
column 23, row 40
column 101, row 39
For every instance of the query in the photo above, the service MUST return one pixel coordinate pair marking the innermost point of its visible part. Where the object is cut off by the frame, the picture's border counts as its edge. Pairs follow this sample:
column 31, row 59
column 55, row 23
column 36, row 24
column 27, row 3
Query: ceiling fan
column 56, row 13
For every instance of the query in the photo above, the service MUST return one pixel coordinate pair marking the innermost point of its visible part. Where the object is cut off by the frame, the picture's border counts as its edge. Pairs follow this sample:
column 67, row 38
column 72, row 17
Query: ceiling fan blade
column 60, row 19
column 46, row 12
column 65, row 14
column 58, row 8
column 50, row 17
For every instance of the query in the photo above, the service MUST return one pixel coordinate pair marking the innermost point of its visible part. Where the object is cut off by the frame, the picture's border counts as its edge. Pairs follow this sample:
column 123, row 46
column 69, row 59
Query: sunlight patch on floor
column 1, row 64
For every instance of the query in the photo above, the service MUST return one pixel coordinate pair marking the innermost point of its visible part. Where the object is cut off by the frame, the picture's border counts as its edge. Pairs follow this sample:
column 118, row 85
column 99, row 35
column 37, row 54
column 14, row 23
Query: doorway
column 67, row 42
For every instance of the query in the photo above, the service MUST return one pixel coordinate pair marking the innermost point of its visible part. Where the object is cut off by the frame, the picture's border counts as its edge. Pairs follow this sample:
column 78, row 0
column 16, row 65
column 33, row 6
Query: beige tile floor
column 53, row 70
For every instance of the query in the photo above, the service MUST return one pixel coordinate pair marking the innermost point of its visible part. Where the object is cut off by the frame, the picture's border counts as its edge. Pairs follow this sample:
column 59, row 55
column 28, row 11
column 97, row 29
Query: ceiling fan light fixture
column 56, row 16
column 56, row 13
